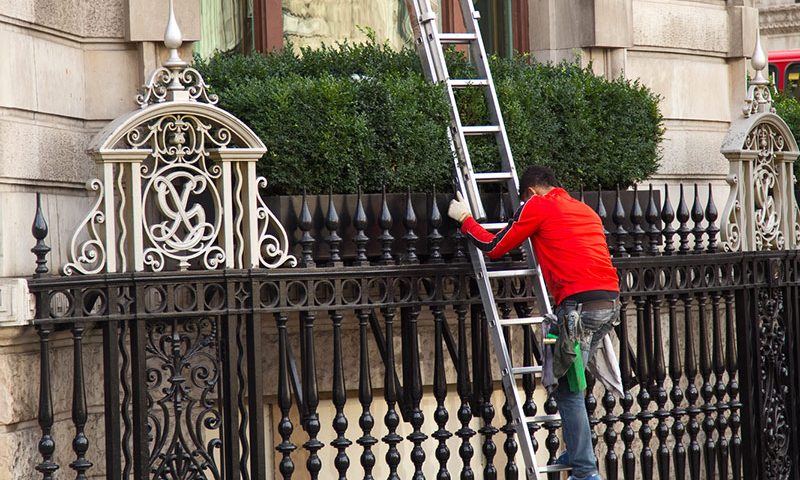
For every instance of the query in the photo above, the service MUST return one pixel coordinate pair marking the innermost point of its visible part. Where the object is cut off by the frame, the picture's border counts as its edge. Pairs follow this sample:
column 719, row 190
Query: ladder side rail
column 464, row 167
column 481, row 59
column 430, row 36
column 420, row 45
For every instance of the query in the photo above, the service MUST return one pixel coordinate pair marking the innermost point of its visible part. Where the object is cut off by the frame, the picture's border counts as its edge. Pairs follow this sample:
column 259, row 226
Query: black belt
column 594, row 305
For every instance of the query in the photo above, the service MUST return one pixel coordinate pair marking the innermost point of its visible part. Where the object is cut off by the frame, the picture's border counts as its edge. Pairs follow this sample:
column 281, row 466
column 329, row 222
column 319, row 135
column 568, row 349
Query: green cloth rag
column 568, row 360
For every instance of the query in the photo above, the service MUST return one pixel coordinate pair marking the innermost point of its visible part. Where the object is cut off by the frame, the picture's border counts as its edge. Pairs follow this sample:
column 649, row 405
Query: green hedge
column 363, row 115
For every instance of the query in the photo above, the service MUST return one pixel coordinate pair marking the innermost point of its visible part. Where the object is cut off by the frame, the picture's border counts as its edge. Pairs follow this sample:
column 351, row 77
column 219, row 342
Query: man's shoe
column 596, row 476
column 563, row 459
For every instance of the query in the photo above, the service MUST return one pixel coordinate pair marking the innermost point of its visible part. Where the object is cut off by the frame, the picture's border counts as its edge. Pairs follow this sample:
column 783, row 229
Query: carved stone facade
column 780, row 24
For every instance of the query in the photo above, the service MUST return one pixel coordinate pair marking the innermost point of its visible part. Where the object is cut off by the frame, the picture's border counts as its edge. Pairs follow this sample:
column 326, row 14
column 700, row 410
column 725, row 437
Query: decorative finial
column 759, row 62
column 173, row 39
column 39, row 231
column 759, row 97
column 175, row 80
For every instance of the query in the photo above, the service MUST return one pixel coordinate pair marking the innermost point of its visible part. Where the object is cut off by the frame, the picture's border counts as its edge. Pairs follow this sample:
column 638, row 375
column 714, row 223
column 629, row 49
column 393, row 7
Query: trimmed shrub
column 363, row 115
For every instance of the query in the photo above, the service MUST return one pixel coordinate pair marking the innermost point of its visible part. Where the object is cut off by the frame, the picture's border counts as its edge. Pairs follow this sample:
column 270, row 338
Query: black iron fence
column 328, row 230
column 707, row 351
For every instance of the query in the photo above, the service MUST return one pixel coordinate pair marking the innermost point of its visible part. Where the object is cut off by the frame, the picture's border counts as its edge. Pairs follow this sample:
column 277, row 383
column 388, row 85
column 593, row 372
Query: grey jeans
column 595, row 324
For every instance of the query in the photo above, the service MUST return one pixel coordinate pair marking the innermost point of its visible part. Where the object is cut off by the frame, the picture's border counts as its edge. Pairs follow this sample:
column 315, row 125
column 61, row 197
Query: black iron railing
column 384, row 229
column 707, row 353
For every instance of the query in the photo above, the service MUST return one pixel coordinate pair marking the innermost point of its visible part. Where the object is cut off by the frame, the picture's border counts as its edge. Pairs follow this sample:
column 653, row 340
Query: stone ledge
column 779, row 19
column 16, row 302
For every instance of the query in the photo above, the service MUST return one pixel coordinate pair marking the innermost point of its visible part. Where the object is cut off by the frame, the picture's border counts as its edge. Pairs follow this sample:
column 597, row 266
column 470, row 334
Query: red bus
column 784, row 71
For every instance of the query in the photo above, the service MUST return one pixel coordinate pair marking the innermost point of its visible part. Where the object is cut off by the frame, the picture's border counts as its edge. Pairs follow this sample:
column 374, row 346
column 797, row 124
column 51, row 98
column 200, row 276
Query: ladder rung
column 522, row 272
column 554, row 468
column 457, row 38
column 504, row 322
column 543, row 418
column 492, row 177
column 524, row 370
column 494, row 226
column 469, row 82
column 481, row 129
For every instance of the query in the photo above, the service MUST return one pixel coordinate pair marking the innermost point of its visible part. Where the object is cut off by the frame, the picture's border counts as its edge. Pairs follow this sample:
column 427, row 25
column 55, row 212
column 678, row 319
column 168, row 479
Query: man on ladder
column 571, row 249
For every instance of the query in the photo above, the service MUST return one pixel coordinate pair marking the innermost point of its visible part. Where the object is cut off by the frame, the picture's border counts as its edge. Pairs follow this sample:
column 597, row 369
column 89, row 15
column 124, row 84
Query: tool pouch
column 567, row 356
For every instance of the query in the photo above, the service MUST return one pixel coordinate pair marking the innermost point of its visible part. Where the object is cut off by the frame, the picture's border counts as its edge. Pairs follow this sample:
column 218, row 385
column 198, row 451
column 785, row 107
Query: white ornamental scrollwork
column 90, row 256
column 162, row 80
column 272, row 247
column 179, row 139
column 732, row 233
column 185, row 231
column 768, row 215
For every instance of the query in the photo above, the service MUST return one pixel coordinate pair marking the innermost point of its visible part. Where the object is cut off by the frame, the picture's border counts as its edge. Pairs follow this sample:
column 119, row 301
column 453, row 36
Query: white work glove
column 458, row 210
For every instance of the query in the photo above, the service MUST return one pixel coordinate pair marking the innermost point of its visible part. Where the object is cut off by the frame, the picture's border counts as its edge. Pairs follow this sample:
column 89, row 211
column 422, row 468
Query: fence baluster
column 510, row 446
column 440, row 415
column 697, row 218
column 524, row 310
column 434, row 237
column 285, row 427
column 306, row 240
column 660, row 393
column 366, row 421
column 551, row 443
column 618, row 217
column 676, row 393
column 465, row 433
column 683, row 227
column 580, row 196
column 643, row 354
column 628, row 458
column 667, row 216
column 311, row 397
column 706, row 390
column 718, row 364
column 711, row 217
column 47, row 444
column 732, row 366
column 340, row 443
column 80, row 444
column 410, row 222
column 487, row 409
column 610, row 435
column 333, row 238
column 386, row 238
column 412, row 381
column 360, row 239
column 391, row 419
column 636, row 231
column 651, row 216
column 691, row 390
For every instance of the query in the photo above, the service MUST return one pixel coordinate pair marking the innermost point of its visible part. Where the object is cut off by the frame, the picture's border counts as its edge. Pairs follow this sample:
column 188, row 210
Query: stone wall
column 316, row 22
column 780, row 24
column 691, row 53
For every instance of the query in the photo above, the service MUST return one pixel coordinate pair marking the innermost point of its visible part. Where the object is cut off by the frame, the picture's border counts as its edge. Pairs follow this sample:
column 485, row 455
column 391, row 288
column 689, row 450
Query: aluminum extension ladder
column 429, row 43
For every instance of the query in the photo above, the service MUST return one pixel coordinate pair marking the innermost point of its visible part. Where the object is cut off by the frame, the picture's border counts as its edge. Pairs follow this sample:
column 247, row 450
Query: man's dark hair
column 537, row 176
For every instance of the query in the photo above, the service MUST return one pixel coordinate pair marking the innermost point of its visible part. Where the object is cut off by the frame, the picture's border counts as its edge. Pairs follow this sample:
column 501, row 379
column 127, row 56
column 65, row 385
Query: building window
column 225, row 25
column 504, row 26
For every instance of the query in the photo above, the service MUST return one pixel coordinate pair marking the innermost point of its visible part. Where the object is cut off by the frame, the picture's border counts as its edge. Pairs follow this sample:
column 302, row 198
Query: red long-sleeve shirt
column 567, row 236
